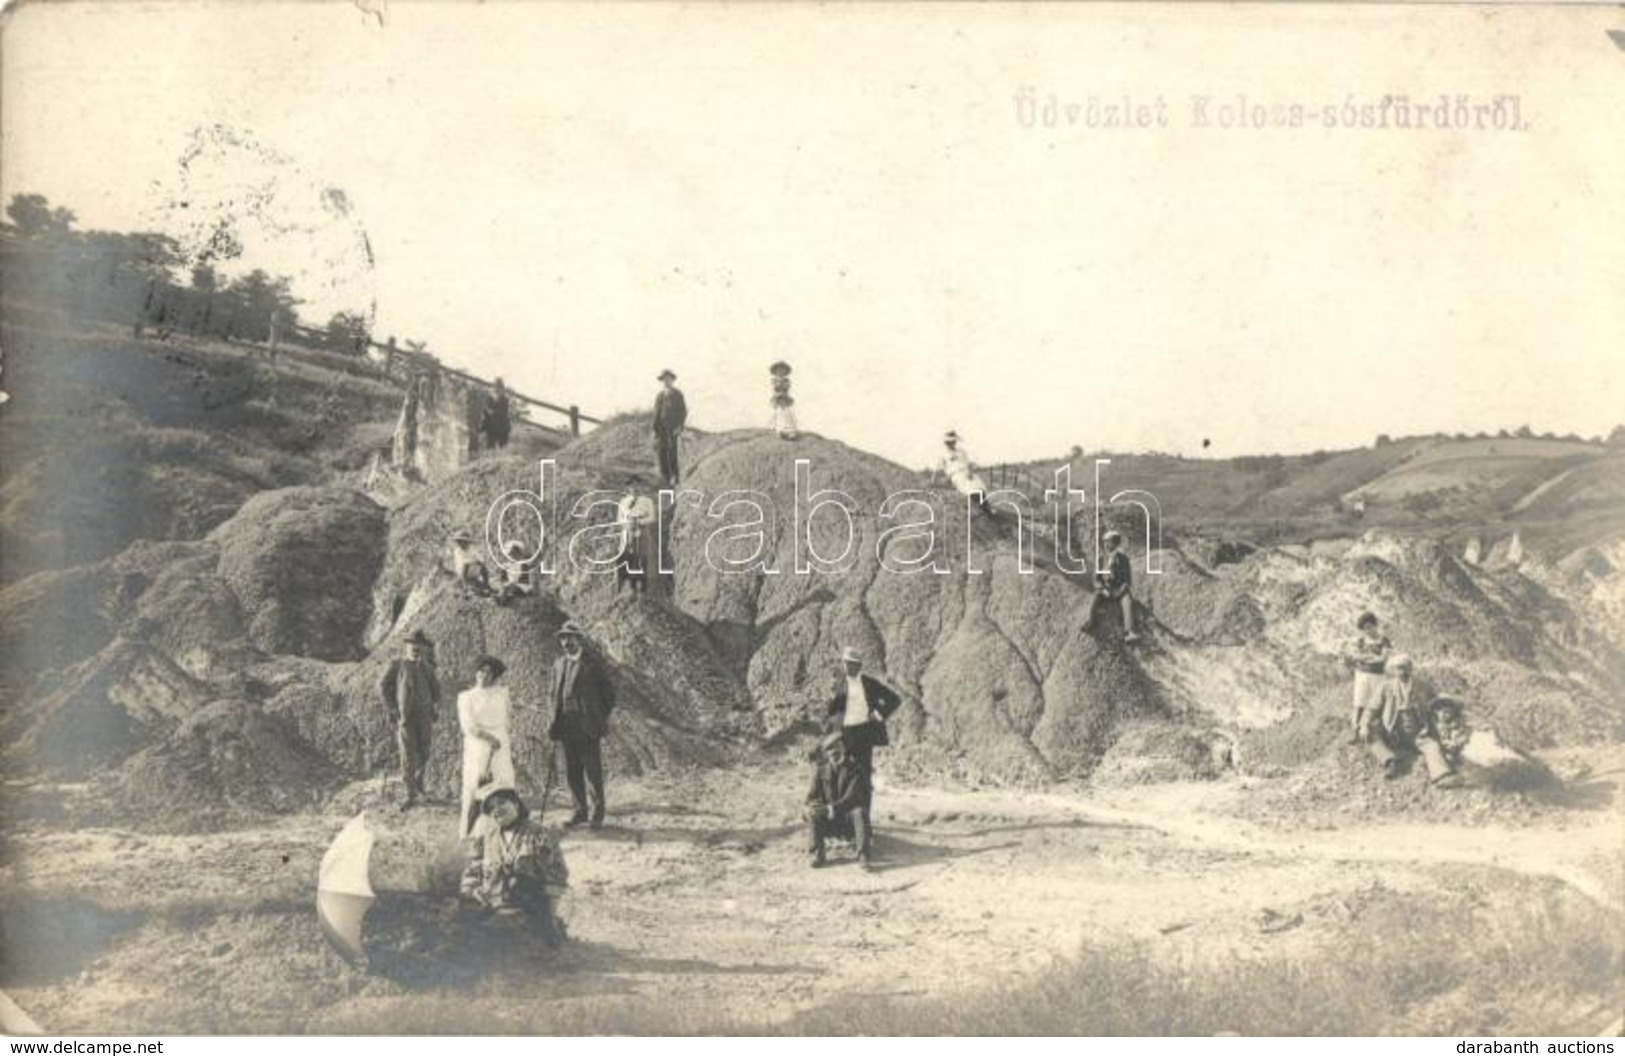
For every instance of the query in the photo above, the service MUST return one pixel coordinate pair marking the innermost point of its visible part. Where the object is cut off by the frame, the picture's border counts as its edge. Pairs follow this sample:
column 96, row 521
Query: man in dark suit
column 411, row 699
column 859, row 711
column 583, row 697
column 670, row 415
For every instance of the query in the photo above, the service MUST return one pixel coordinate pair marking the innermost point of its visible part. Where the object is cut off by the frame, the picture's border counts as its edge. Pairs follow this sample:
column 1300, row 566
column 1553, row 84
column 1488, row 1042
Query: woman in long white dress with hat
column 783, row 404
column 482, row 713
column 956, row 465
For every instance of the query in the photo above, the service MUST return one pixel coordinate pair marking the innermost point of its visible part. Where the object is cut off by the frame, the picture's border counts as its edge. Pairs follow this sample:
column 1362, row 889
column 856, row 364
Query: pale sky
column 573, row 198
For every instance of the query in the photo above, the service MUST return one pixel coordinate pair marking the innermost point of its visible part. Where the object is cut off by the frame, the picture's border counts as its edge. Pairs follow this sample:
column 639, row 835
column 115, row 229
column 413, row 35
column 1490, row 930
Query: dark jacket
column 497, row 421
column 670, row 412
column 1119, row 575
column 881, row 699
column 582, row 701
column 410, row 690
column 844, row 787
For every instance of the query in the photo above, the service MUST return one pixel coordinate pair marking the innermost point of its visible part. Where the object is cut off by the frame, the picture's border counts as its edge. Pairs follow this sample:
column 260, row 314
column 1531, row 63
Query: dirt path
column 1583, row 854
column 698, row 897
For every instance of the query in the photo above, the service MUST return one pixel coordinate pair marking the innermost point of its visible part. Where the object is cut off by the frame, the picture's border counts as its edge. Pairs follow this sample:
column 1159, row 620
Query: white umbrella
column 343, row 891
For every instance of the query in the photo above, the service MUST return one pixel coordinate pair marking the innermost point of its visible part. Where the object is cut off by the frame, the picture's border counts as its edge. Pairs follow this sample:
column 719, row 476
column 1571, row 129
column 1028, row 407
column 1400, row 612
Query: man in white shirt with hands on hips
column 859, row 709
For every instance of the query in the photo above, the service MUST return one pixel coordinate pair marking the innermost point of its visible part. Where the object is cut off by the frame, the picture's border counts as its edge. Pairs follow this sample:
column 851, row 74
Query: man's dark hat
column 419, row 638
column 780, row 369
column 663, row 375
column 498, row 668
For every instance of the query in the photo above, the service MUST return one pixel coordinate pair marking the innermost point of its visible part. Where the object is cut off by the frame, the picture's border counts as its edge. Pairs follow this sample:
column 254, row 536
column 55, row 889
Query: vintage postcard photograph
column 811, row 519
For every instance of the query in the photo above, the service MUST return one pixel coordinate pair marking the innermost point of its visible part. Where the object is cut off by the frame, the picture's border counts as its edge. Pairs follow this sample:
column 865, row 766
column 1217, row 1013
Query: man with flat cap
column 411, row 699
column 859, row 711
column 583, row 697
column 670, row 414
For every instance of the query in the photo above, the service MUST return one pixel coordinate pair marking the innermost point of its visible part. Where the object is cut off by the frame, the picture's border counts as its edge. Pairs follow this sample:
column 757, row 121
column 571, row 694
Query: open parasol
column 343, row 892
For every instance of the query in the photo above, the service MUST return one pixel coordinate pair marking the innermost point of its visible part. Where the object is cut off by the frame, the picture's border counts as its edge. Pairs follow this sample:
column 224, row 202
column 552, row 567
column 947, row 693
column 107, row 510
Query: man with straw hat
column 583, row 697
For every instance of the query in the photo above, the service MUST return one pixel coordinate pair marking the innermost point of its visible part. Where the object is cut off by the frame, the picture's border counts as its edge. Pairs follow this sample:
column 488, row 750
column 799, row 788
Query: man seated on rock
column 1408, row 726
column 957, row 467
column 466, row 565
column 1114, row 585
column 836, row 803
column 515, row 867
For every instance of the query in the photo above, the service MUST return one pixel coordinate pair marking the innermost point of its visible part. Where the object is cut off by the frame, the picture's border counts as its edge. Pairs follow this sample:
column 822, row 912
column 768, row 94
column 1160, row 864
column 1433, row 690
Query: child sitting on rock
column 466, row 565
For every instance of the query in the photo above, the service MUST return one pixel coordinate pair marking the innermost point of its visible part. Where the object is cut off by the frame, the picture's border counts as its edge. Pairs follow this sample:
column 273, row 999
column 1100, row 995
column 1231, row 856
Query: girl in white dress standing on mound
column 482, row 712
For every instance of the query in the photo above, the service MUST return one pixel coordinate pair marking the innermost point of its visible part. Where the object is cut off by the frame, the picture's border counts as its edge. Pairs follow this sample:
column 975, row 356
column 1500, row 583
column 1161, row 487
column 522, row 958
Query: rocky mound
column 1156, row 752
column 227, row 763
column 1258, row 639
column 54, row 620
column 224, row 649
column 998, row 683
column 990, row 663
column 1341, row 784
column 301, row 562
column 175, row 619
column 101, row 710
column 169, row 662
column 655, row 724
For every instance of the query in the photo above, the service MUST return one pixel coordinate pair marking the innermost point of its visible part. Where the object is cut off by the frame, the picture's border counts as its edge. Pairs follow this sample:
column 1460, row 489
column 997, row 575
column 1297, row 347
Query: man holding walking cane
column 583, row 697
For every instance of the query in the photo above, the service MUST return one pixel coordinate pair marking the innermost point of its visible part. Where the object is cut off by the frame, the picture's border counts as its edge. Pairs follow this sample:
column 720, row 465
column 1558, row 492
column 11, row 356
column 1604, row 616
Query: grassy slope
column 108, row 440
column 1560, row 494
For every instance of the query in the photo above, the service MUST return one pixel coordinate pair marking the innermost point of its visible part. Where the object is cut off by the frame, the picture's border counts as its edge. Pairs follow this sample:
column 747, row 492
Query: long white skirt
column 477, row 759
column 1367, row 690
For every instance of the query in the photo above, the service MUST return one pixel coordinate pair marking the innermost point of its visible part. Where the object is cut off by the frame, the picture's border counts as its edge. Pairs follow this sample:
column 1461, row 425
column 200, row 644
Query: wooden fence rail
column 413, row 360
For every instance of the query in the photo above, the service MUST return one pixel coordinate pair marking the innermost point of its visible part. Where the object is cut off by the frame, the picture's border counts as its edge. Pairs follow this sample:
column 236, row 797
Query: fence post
column 575, row 420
